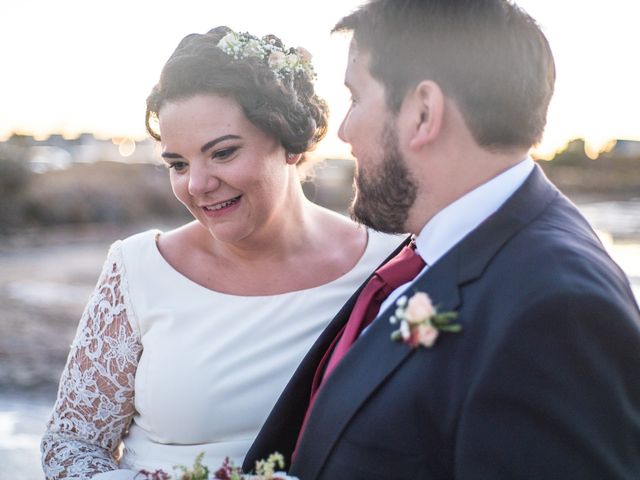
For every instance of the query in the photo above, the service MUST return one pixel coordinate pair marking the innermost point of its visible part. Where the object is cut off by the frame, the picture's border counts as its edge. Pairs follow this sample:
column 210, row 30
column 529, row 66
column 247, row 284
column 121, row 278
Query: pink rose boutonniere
column 419, row 321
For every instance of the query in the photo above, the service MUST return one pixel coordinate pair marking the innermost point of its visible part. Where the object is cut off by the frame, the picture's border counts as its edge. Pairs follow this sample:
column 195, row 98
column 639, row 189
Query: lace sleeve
column 95, row 398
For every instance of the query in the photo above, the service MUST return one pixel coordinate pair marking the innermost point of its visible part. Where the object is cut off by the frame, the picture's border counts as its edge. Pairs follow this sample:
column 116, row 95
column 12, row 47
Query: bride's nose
column 202, row 180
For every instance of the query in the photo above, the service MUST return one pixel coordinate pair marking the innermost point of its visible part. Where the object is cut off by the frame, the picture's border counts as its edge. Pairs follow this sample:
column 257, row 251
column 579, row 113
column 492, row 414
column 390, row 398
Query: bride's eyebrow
column 215, row 141
column 166, row 155
column 204, row 147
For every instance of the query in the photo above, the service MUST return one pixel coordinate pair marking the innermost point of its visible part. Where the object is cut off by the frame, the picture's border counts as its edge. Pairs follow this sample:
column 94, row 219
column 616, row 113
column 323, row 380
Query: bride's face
column 231, row 175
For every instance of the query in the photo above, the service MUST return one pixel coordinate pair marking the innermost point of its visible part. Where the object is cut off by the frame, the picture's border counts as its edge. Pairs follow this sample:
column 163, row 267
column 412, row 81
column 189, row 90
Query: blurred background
column 77, row 171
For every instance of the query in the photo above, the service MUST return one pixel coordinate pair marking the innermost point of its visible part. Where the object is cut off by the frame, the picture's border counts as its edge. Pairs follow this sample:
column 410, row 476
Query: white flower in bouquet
column 265, row 470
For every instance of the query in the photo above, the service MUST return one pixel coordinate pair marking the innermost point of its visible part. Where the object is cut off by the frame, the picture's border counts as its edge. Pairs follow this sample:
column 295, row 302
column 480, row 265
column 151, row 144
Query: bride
column 191, row 334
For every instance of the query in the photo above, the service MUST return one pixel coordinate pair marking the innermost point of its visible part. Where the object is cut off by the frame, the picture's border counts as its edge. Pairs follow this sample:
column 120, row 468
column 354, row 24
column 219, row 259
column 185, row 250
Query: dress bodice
column 174, row 369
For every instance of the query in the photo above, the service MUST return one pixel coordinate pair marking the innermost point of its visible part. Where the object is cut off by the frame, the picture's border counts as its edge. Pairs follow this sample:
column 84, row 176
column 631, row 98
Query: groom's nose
column 342, row 131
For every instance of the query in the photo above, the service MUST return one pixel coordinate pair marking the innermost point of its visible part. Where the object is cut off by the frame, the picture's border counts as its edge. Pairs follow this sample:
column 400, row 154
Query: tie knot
column 402, row 268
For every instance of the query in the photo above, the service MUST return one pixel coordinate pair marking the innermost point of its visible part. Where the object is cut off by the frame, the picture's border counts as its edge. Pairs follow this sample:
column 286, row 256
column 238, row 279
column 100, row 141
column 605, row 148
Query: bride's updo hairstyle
column 272, row 84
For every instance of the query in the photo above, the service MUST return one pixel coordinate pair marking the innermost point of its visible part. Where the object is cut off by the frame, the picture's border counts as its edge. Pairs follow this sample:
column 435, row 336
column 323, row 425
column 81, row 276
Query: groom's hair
column 489, row 56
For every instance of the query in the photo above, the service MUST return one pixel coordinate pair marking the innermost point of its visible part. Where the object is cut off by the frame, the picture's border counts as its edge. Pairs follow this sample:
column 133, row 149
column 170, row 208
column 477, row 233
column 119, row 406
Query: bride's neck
column 289, row 231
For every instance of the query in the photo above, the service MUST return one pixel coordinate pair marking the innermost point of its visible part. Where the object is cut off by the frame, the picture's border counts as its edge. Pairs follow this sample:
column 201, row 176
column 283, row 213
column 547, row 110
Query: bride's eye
column 178, row 166
column 225, row 153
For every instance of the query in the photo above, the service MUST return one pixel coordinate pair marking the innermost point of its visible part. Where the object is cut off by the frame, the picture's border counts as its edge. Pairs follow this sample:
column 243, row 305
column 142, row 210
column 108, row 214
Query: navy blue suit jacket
column 543, row 382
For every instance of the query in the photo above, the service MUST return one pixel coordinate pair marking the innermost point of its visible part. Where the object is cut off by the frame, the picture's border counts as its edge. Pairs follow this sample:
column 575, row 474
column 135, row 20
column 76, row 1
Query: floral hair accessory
column 420, row 323
column 283, row 62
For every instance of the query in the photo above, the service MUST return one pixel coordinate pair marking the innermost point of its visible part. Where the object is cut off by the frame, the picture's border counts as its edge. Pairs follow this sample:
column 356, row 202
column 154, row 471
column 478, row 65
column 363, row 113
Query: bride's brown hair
column 285, row 107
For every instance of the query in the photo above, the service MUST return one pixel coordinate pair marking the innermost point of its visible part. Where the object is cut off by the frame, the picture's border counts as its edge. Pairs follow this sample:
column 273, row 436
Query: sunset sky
column 71, row 66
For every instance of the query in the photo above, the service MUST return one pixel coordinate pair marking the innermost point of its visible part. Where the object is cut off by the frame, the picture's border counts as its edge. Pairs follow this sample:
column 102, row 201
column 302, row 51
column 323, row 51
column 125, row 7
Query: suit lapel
column 374, row 357
column 371, row 360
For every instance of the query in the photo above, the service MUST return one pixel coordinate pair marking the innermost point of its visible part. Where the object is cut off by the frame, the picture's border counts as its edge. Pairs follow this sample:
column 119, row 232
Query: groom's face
column 385, row 191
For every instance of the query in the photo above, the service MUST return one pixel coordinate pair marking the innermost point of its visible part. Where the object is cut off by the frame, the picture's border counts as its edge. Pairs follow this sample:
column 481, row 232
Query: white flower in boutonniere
column 419, row 321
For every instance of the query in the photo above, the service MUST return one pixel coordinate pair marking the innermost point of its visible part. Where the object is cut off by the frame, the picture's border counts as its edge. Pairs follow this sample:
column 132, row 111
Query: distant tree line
column 612, row 174
column 107, row 191
column 84, row 193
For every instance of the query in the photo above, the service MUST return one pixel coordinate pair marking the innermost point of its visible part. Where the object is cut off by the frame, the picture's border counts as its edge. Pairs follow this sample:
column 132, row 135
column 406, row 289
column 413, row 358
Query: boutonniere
column 419, row 321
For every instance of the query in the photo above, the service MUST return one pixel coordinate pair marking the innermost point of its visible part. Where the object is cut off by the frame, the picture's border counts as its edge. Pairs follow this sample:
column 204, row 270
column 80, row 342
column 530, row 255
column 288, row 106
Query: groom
column 536, row 374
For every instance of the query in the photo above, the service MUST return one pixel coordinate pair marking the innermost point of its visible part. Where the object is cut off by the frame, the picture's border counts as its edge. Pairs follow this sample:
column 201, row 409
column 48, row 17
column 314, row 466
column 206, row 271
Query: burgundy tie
column 401, row 269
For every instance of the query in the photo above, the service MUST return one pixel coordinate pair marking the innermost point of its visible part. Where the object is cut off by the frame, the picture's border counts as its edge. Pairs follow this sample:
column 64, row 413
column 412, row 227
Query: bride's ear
column 293, row 158
column 426, row 107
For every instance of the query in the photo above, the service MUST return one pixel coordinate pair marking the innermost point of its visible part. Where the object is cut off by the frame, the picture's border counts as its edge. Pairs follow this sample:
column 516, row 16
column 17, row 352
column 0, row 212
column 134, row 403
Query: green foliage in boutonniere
column 419, row 321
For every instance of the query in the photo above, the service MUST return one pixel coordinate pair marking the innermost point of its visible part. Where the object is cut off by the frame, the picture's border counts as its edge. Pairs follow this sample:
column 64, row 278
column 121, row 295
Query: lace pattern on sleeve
column 95, row 404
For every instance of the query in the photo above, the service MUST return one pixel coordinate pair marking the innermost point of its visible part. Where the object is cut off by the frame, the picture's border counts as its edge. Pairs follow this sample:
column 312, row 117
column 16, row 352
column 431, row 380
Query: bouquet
column 265, row 470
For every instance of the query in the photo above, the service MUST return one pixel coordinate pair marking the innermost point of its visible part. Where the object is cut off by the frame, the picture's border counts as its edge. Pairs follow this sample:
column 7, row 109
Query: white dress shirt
column 458, row 219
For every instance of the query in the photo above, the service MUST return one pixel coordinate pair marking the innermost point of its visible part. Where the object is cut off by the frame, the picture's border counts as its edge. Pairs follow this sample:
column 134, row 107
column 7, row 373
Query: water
column 619, row 219
column 22, row 418
column 21, row 426
column 618, row 224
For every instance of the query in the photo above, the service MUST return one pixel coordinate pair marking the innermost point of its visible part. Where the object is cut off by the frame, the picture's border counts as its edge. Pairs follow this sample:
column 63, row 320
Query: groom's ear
column 425, row 105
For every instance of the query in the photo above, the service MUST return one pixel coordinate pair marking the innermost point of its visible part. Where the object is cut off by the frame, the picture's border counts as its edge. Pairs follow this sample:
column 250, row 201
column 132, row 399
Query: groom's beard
column 385, row 193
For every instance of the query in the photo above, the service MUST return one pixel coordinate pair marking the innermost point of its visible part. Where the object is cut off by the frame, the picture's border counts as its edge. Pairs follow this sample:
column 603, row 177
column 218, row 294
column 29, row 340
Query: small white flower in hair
column 277, row 60
column 283, row 62
column 228, row 43
column 253, row 48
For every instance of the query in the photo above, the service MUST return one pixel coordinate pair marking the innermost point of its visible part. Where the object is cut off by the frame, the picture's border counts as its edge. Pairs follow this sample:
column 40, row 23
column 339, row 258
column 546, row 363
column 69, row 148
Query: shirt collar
column 455, row 221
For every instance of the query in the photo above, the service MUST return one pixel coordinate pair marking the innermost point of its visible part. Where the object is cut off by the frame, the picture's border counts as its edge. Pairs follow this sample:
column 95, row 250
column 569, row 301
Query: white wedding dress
column 173, row 369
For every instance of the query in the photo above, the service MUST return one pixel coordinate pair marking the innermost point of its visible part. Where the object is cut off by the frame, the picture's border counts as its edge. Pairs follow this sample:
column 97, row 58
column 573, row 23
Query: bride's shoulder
column 341, row 234
column 347, row 233
column 177, row 240
column 337, row 230
column 137, row 241
column 384, row 242
column 137, row 246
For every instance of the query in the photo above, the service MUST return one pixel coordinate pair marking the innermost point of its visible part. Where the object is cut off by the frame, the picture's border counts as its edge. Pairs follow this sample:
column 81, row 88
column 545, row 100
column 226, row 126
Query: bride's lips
column 221, row 208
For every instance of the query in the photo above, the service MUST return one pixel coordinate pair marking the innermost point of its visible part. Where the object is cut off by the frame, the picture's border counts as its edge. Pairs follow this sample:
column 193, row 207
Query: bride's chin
column 229, row 234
